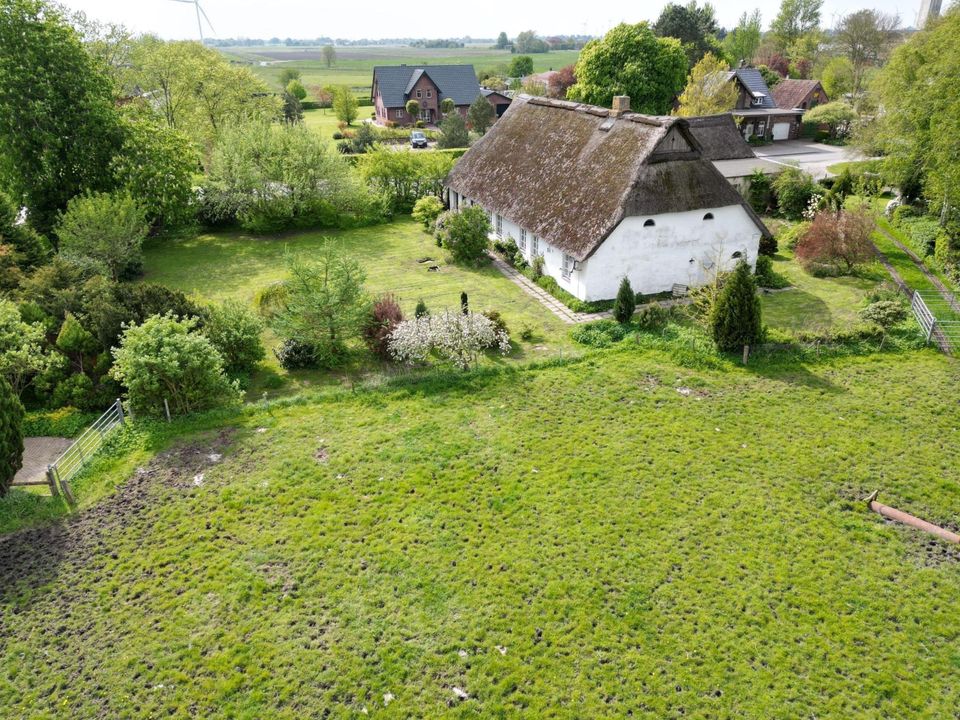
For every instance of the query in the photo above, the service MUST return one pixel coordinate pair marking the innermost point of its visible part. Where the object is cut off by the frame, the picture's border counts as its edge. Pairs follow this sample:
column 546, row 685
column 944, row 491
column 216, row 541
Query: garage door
column 781, row 131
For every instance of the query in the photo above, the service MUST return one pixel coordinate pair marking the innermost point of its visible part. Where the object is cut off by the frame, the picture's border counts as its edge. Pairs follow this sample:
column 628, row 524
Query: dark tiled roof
column 753, row 81
column 454, row 81
column 570, row 172
column 719, row 137
column 790, row 93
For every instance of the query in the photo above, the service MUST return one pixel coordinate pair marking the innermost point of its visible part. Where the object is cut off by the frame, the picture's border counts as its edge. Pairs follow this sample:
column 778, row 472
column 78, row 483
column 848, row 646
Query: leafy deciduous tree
column 453, row 132
column 344, row 104
column 838, row 115
column 866, row 38
column 708, row 92
column 465, row 233
column 235, row 332
column 329, row 55
column 521, row 66
column 631, row 60
column 59, row 127
column 742, row 42
column 839, row 238
column 695, row 27
column 108, row 229
column 795, row 19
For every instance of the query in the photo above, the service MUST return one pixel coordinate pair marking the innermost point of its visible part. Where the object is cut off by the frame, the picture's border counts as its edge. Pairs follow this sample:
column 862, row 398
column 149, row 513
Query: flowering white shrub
column 455, row 337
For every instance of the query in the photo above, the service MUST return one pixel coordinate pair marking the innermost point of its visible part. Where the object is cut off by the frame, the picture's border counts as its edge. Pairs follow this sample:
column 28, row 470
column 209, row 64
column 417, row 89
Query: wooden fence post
column 51, row 479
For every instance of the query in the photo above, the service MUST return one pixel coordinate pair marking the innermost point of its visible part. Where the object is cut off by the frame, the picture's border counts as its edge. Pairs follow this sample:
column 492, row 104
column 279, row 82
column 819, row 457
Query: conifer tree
column 11, row 435
column 625, row 303
column 736, row 320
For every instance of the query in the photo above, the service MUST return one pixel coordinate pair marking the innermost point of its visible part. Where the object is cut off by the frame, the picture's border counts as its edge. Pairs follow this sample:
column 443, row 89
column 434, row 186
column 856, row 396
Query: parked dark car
column 418, row 139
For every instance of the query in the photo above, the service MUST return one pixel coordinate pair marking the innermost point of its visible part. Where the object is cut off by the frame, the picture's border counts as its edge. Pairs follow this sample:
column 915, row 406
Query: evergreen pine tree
column 421, row 309
column 11, row 435
column 736, row 318
column 464, row 304
column 625, row 303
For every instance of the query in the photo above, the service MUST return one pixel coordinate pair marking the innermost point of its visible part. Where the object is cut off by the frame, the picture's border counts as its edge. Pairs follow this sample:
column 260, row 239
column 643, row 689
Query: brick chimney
column 621, row 105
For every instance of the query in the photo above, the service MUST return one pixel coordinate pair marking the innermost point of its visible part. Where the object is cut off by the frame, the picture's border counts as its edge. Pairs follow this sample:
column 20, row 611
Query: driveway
column 812, row 157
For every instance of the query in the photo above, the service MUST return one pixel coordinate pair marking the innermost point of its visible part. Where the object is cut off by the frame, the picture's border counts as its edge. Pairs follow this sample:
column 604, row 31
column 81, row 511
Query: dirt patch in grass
column 31, row 558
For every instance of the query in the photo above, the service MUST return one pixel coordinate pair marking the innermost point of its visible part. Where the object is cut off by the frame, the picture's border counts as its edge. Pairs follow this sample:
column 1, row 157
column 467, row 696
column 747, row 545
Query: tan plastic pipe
column 907, row 519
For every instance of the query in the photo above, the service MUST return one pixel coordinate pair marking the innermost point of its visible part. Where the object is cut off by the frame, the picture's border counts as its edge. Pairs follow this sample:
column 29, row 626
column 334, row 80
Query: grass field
column 817, row 304
column 609, row 537
column 354, row 65
column 234, row 265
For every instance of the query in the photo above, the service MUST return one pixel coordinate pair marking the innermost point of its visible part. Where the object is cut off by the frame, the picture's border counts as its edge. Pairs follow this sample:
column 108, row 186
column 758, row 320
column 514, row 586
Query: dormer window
column 419, row 93
column 429, row 94
column 708, row 216
column 649, row 223
column 737, row 255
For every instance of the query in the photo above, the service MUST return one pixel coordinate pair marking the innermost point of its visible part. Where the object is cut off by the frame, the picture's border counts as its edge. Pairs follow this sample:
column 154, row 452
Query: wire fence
column 938, row 318
column 73, row 460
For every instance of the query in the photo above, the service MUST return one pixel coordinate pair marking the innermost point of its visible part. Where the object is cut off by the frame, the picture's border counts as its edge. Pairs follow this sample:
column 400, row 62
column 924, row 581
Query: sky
column 392, row 19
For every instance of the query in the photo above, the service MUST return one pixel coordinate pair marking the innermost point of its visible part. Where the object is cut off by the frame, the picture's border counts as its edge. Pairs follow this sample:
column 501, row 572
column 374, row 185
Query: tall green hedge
column 11, row 435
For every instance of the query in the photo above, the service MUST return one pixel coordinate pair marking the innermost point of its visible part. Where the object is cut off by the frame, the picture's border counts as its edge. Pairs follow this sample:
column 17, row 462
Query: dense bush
column 464, row 233
column 271, row 177
column 382, row 320
column 885, row 313
column 790, row 234
column 405, row 177
column 169, row 359
column 66, row 422
column 652, row 316
column 922, row 232
column 836, row 241
column 296, row 355
column 599, row 334
column 759, row 192
column 625, row 302
column 106, row 229
column 506, row 248
column 235, row 332
column 794, row 190
column 426, row 210
column 499, row 324
column 766, row 276
column 735, row 319
column 11, row 435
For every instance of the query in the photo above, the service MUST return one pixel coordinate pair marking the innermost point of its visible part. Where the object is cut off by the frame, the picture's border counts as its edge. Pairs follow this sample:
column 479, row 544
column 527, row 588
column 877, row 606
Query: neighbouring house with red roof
column 757, row 113
column 799, row 94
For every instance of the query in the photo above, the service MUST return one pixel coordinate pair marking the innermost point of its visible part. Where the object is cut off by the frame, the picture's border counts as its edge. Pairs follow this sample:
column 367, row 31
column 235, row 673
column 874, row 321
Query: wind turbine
column 196, row 4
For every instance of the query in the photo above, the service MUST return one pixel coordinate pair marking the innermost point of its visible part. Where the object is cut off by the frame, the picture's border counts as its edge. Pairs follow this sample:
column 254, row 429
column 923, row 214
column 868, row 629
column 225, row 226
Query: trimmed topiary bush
column 11, row 435
column 625, row 303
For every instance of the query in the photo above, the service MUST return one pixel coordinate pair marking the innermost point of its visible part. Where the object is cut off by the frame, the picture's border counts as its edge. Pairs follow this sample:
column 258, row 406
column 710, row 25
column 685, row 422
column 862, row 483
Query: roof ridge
column 598, row 111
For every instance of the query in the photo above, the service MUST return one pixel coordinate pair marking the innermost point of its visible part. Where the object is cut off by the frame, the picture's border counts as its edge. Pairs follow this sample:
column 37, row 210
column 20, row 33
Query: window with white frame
column 499, row 225
column 535, row 246
column 429, row 93
column 522, row 242
column 419, row 93
column 399, row 113
column 568, row 266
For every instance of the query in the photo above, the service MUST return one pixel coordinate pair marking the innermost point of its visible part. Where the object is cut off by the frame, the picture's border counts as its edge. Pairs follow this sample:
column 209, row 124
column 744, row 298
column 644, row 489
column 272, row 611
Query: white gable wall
column 654, row 258
column 680, row 248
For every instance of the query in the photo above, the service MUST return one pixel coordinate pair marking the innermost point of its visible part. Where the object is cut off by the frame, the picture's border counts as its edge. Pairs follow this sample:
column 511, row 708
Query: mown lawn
column 223, row 265
column 817, row 304
column 609, row 537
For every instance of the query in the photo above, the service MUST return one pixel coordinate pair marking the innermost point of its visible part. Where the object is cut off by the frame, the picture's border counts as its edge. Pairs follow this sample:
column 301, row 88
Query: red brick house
column 395, row 85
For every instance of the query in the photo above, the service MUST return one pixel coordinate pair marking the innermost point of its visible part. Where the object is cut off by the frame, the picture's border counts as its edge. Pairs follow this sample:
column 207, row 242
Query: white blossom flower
column 453, row 336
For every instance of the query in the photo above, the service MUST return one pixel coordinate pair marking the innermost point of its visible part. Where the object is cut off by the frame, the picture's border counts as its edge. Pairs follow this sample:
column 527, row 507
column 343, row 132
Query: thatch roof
column 570, row 173
column 719, row 137
column 789, row 93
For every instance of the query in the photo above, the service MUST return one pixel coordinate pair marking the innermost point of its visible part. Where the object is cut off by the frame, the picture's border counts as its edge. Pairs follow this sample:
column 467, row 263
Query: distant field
column 354, row 65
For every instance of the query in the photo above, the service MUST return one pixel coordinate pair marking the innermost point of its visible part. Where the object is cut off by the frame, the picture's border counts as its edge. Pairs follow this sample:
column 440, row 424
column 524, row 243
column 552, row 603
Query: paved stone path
column 38, row 452
column 555, row 306
column 546, row 299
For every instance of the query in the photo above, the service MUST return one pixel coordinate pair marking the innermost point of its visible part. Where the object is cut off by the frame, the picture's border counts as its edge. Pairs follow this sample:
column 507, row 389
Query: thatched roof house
column 600, row 193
